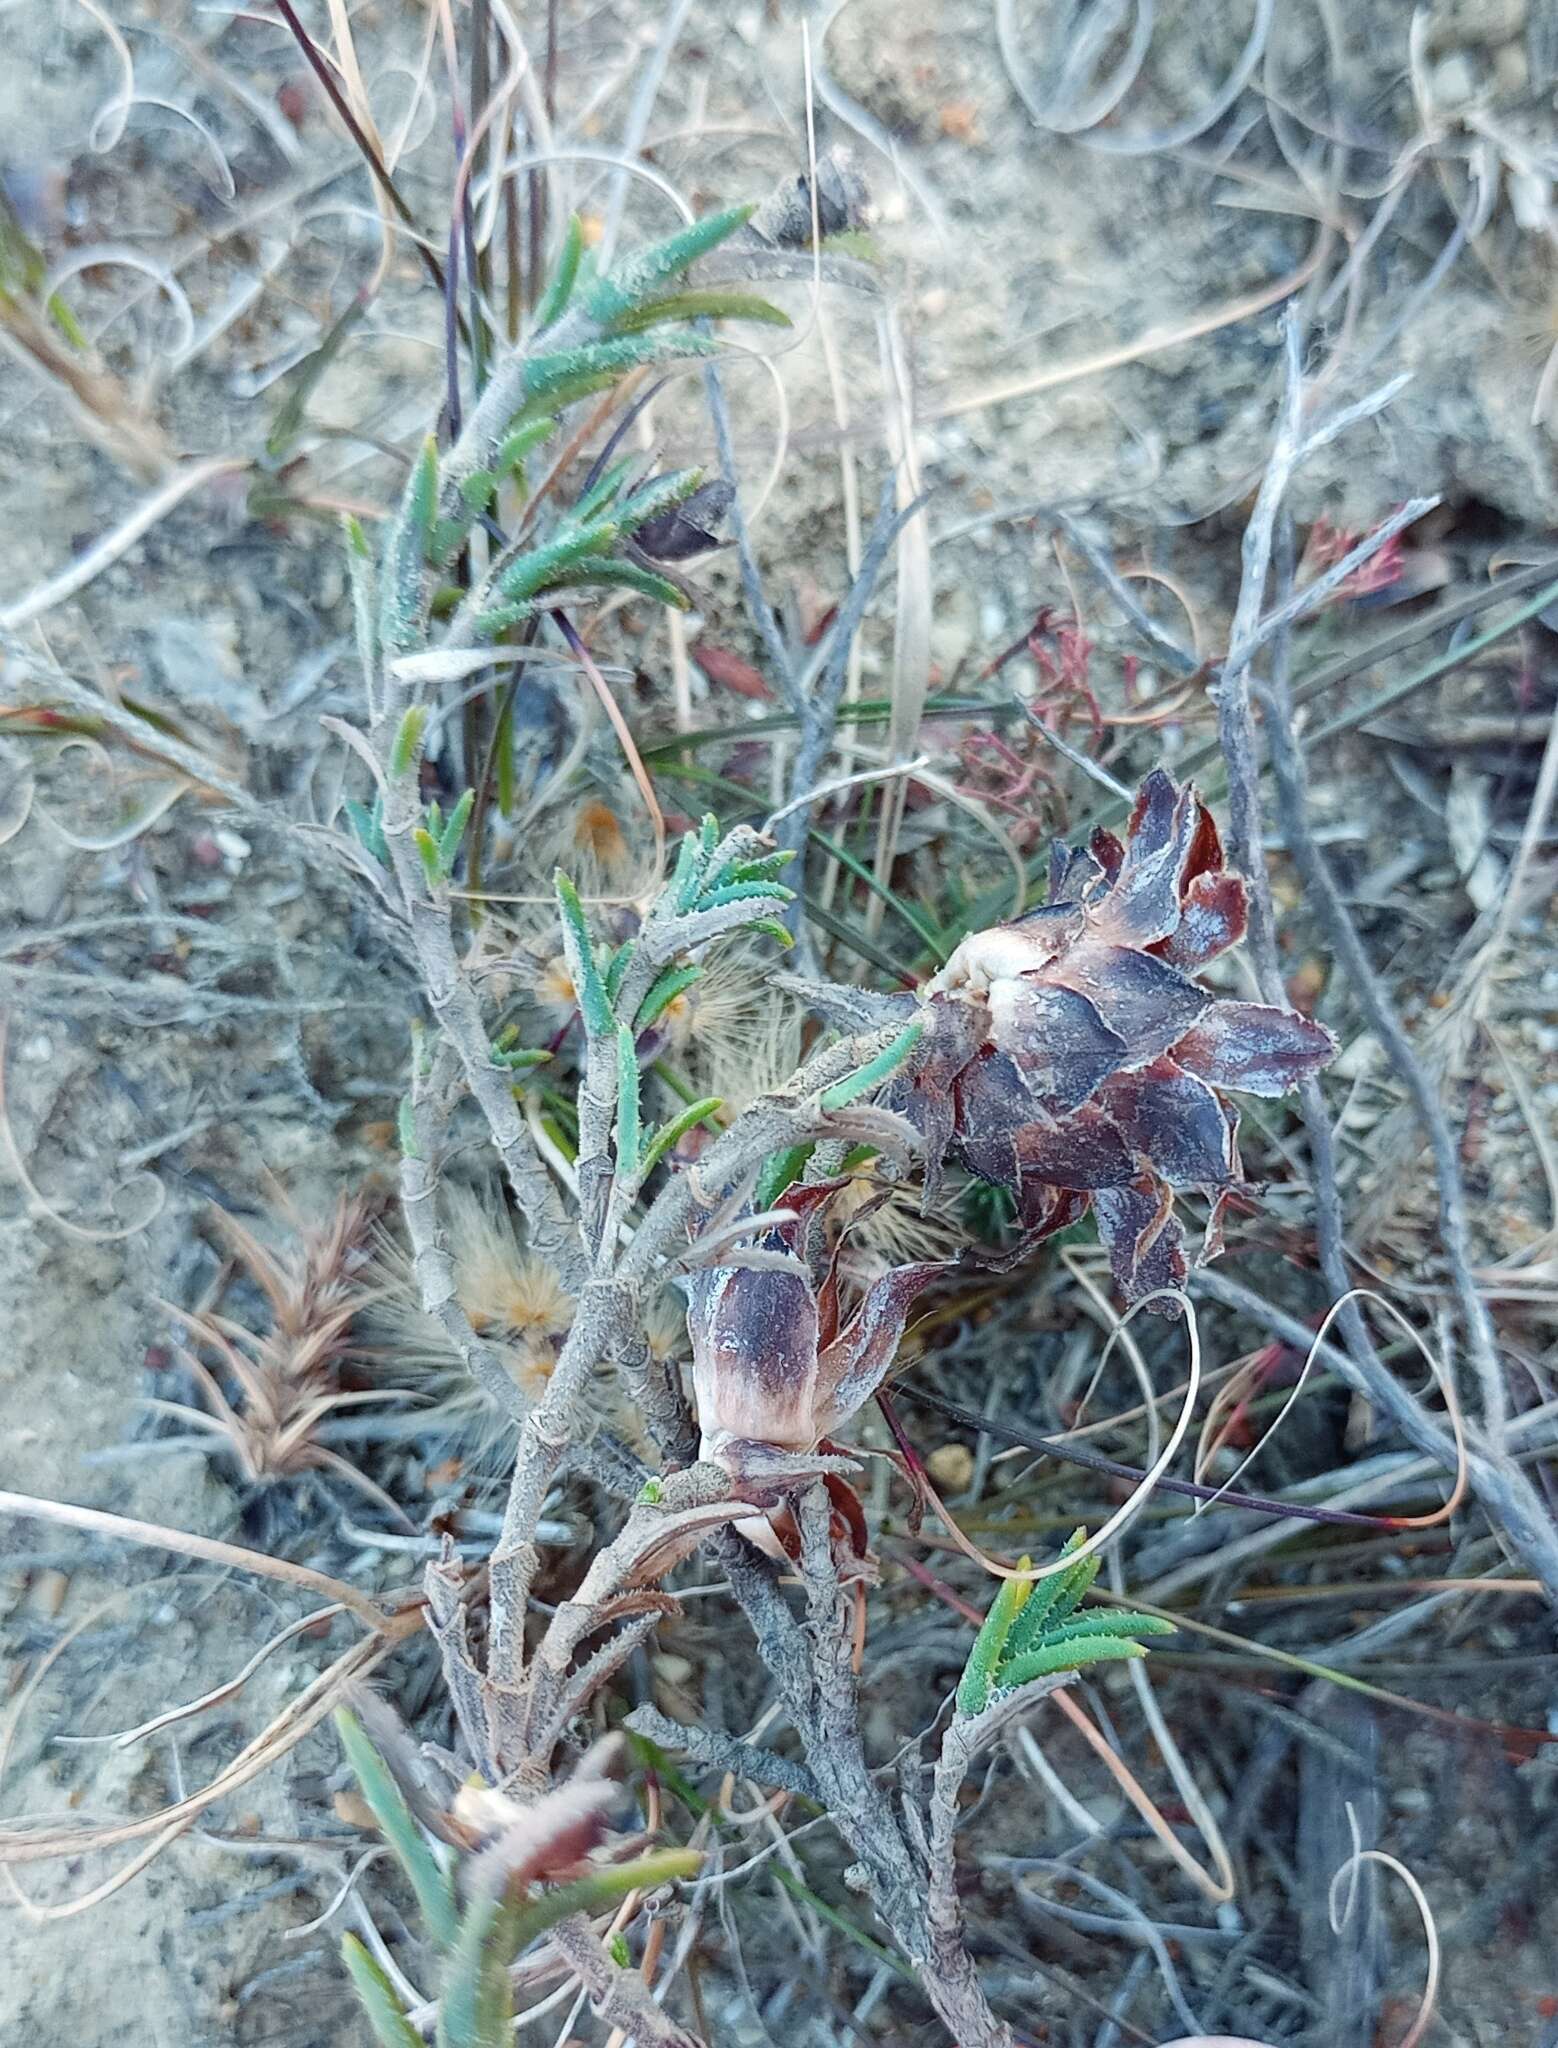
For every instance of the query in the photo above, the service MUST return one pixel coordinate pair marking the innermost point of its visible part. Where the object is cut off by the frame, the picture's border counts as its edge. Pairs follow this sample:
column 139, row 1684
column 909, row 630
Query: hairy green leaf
column 618, row 966
column 667, row 986
column 780, row 1172
column 363, row 577
column 369, row 827
column 1049, row 1659
column 540, row 566
column 672, row 1133
column 406, row 552
column 449, row 839
column 475, row 2002
column 408, row 740
column 603, row 1888
column 593, row 1003
column 1054, row 1598
column 745, row 892
column 574, row 373
column 659, row 495
column 608, row 298
column 611, row 572
column 875, row 1071
column 973, row 1694
column 406, row 1129
column 604, row 488
column 427, row 852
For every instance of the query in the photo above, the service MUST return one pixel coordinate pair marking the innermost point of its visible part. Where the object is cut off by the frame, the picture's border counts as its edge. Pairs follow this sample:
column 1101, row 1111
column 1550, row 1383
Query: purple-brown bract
column 1070, row 1057
column 777, row 1364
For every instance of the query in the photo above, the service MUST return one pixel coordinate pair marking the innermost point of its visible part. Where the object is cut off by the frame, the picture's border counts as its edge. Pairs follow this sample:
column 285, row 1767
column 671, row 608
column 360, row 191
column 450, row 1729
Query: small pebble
column 951, row 1466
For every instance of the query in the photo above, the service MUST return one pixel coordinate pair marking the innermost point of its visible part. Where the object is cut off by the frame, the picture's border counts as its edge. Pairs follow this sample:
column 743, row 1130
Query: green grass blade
column 554, row 300
column 704, row 305
column 429, row 1880
column 378, row 1997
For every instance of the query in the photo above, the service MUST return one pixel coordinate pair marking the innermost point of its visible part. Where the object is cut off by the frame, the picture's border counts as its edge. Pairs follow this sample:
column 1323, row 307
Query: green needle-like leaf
column 449, row 839
column 429, row 1880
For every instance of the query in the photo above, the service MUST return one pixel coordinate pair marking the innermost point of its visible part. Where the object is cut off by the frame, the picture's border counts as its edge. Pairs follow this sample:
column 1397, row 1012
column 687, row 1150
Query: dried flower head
column 267, row 1391
column 779, row 1362
column 1070, row 1057
column 513, row 1299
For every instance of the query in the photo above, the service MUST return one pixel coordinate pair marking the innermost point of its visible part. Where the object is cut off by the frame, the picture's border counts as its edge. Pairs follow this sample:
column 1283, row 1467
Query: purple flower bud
column 778, row 1363
column 1069, row 1057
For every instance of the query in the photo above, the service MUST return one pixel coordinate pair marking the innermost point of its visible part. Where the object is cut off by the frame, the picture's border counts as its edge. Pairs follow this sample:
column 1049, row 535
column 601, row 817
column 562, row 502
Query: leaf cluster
column 1033, row 1631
